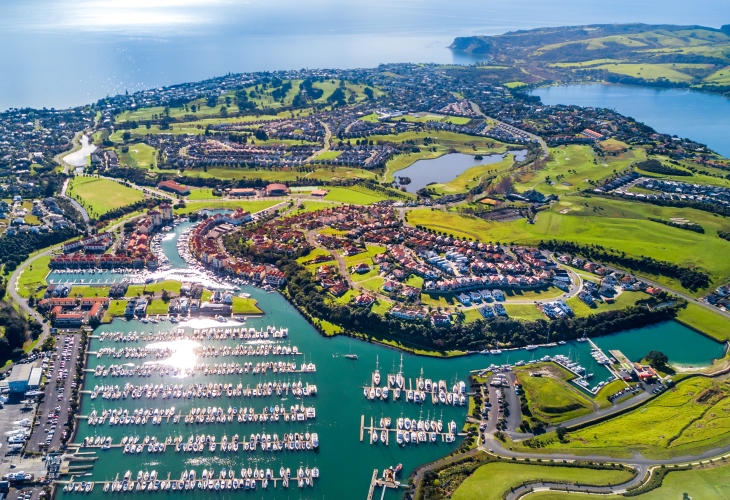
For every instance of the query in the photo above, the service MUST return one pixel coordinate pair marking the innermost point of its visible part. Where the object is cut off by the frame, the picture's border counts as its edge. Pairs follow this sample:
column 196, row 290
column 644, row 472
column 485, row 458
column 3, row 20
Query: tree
column 126, row 136
column 165, row 296
column 561, row 432
column 657, row 360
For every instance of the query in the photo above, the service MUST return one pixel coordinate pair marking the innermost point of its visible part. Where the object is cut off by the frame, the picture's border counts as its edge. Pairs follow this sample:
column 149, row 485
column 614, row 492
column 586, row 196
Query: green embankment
column 691, row 418
column 491, row 481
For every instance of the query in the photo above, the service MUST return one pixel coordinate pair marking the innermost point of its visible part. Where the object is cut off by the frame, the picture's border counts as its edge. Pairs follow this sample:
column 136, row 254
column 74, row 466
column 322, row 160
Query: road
column 543, row 144
column 75, row 203
column 76, row 146
column 344, row 271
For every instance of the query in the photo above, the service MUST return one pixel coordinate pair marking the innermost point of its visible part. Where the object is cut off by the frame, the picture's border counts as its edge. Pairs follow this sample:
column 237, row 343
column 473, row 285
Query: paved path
column 543, row 144
column 75, row 203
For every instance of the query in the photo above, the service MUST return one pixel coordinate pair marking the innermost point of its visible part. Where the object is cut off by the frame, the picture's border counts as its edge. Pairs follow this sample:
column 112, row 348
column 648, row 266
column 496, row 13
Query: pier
column 388, row 481
column 370, row 429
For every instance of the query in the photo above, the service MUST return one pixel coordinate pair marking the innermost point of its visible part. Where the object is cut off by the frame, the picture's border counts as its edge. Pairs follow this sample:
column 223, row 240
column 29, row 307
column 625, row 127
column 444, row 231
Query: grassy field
column 527, row 312
column 709, row 322
column 157, row 306
column 357, row 195
column 615, row 224
column 138, row 155
column 551, row 397
column 116, row 308
column 33, row 277
column 250, row 206
column 169, row 285
column 99, row 196
column 696, row 484
column 325, row 173
column 649, row 71
column 689, row 419
column 572, row 168
column 328, row 155
column 491, row 481
column 201, row 194
column 89, row 291
column 242, row 305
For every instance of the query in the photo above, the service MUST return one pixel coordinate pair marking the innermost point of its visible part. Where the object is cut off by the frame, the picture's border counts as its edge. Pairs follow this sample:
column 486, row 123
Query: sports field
column 99, row 196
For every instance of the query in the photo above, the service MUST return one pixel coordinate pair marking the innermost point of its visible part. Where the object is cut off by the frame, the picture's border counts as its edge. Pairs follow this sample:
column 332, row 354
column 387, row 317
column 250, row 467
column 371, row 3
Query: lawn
column 615, row 224
column 89, row 291
column 249, row 206
column 689, row 419
column 116, row 308
column 526, row 312
column 325, row 173
column 681, row 484
column 328, row 155
column 493, row 480
column 709, row 322
column 201, row 194
column 551, row 397
column 169, row 285
column 99, row 196
column 243, row 305
column 366, row 256
column 34, row 277
column 157, row 306
column 356, row 195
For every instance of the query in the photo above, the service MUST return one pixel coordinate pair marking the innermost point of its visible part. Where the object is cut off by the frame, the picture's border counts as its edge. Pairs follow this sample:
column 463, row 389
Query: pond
column 79, row 158
column 447, row 167
column 700, row 116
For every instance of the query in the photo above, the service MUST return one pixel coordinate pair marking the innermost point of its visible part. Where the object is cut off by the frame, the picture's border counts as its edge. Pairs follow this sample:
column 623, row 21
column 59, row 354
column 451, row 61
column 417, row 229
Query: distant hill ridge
column 597, row 41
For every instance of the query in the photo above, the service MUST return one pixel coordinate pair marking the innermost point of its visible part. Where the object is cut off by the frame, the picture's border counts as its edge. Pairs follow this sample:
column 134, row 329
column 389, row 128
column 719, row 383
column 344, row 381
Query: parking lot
column 53, row 411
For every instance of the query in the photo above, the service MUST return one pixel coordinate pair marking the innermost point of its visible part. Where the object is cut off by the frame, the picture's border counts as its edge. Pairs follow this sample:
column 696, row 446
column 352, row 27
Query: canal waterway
column 345, row 463
column 447, row 167
column 700, row 116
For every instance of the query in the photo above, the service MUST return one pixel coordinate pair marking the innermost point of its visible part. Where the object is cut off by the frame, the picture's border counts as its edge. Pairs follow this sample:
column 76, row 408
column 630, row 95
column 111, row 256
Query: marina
column 341, row 367
column 408, row 431
column 201, row 443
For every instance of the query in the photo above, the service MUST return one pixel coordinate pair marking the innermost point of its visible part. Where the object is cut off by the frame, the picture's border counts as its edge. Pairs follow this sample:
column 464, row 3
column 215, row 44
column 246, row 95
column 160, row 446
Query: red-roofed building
column 174, row 187
column 277, row 189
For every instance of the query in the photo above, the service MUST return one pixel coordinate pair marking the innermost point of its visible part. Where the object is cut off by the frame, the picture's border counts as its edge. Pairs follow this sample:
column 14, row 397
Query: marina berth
column 202, row 415
column 212, row 369
column 207, row 479
column 204, row 334
column 209, row 390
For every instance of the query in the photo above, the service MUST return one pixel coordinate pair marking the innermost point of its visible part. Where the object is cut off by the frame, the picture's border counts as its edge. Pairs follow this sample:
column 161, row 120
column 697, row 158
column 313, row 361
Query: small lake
column 699, row 116
column 447, row 167
column 79, row 158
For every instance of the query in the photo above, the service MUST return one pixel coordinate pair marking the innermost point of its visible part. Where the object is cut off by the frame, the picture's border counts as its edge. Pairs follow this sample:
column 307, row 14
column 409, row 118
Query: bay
column 700, row 116
column 60, row 53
